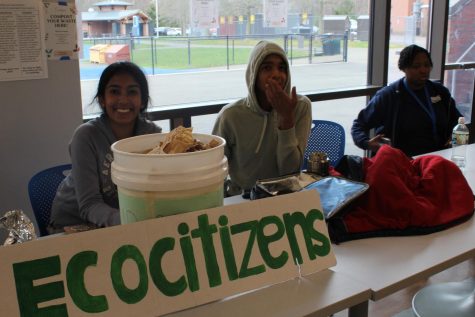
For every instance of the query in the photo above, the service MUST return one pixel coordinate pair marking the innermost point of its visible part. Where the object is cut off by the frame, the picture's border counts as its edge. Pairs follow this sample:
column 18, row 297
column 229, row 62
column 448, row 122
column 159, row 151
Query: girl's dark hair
column 407, row 55
column 124, row 68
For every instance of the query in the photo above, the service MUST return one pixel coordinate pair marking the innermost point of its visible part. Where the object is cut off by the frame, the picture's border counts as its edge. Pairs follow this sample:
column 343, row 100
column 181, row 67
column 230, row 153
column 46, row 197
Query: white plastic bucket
column 158, row 185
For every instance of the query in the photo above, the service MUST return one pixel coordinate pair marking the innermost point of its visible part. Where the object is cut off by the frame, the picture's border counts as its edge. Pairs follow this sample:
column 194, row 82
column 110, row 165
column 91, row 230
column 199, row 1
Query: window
column 409, row 25
column 326, row 42
column 342, row 111
column 460, row 56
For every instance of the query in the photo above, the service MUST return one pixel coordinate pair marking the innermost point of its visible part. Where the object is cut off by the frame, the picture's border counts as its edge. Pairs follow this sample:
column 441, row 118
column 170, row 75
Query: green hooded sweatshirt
column 255, row 147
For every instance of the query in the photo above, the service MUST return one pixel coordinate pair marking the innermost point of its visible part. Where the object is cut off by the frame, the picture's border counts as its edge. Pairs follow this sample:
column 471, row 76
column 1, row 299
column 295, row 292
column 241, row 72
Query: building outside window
column 461, row 52
column 327, row 43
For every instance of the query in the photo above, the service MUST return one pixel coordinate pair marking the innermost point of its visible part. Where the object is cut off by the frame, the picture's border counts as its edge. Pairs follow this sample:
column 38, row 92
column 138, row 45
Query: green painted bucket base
column 137, row 206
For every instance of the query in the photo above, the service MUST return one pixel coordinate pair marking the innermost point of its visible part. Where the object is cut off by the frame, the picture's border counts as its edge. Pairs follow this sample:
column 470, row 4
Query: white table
column 387, row 265
column 469, row 170
column 319, row 294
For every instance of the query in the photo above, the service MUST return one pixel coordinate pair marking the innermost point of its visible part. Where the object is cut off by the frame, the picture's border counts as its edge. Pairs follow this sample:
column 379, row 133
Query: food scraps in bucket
column 180, row 140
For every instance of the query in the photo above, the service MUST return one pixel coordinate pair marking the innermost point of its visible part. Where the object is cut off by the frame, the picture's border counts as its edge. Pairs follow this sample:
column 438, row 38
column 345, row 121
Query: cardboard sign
column 163, row 265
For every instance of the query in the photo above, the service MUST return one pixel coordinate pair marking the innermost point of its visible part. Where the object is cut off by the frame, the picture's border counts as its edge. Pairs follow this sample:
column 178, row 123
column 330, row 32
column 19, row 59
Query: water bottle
column 459, row 143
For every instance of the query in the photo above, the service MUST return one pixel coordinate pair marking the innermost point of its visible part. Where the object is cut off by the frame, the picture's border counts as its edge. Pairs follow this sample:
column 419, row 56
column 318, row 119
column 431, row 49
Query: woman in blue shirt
column 415, row 113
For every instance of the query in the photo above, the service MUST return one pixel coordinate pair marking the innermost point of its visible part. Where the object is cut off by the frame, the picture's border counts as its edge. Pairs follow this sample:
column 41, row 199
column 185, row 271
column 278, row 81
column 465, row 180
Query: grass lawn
column 191, row 53
column 200, row 55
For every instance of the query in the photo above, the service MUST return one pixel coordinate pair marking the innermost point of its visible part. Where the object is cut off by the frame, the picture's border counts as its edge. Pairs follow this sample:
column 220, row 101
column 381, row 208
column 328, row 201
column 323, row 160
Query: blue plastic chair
column 326, row 136
column 42, row 190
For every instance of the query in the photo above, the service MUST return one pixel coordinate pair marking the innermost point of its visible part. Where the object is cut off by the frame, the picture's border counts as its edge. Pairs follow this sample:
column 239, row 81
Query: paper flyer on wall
column 275, row 13
column 204, row 13
column 22, row 54
column 60, row 30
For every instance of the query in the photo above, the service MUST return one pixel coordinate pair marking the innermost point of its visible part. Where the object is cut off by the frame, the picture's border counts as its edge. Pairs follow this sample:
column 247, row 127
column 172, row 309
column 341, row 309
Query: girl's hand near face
column 282, row 103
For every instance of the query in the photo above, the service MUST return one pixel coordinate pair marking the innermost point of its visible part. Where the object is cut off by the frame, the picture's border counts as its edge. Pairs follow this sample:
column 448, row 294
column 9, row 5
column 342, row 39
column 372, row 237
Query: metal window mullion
column 437, row 39
column 378, row 48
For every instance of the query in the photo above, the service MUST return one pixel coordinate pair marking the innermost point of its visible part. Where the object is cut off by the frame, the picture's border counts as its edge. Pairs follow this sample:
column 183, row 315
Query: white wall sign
column 60, row 30
column 22, row 54
column 204, row 14
column 158, row 266
column 275, row 13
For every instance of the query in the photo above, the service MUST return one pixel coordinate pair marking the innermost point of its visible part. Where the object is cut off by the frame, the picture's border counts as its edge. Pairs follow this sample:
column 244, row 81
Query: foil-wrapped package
column 280, row 186
column 20, row 227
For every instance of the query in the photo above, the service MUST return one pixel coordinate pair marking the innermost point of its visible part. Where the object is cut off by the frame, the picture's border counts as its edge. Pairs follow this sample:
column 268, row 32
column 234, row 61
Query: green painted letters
column 263, row 242
column 205, row 232
column 127, row 295
column 227, row 246
column 324, row 248
column 188, row 257
column 168, row 288
column 250, row 226
column 291, row 221
column 30, row 296
column 76, row 285
column 269, row 251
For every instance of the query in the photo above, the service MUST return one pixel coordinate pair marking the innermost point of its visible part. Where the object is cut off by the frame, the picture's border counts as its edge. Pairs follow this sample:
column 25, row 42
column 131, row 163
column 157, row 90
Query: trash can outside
column 326, row 46
column 95, row 52
column 102, row 54
column 330, row 45
column 117, row 53
column 336, row 47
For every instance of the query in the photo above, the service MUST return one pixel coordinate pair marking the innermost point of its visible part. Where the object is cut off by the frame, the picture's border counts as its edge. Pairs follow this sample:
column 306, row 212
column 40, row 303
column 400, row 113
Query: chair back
column 326, row 136
column 42, row 190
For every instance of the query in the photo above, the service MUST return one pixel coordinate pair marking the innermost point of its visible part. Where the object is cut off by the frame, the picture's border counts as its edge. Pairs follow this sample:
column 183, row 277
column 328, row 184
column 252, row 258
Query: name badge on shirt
column 435, row 99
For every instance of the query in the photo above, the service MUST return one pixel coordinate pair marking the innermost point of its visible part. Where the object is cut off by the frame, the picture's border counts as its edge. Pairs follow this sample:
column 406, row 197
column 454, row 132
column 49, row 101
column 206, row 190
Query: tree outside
column 176, row 13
